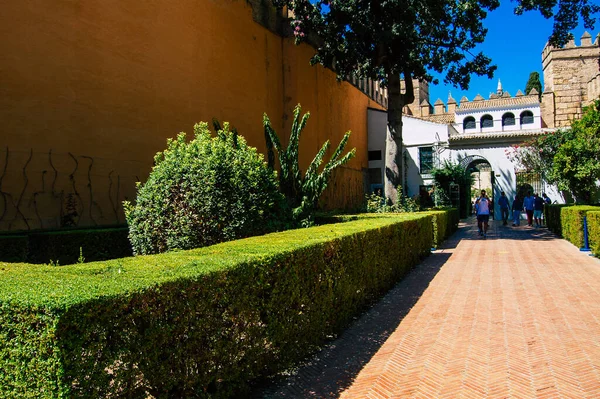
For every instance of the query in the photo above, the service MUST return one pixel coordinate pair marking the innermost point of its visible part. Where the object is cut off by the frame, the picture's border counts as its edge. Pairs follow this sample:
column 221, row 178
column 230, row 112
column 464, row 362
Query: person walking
column 529, row 205
column 538, row 209
column 503, row 202
column 547, row 199
column 517, row 207
column 483, row 205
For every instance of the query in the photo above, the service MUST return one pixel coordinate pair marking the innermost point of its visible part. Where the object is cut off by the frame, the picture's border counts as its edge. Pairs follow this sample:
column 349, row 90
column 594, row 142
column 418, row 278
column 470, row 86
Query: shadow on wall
column 54, row 190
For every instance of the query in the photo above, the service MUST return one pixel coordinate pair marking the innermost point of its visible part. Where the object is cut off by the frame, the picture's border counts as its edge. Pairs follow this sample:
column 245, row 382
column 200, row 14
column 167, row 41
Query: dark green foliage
column 593, row 222
column 302, row 191
column 453, row 173
column 14, row 248
column 199, row 323
column 552, row 217
column 534, row 83
column 63, row 247
column 571, row 220
column 209, row 190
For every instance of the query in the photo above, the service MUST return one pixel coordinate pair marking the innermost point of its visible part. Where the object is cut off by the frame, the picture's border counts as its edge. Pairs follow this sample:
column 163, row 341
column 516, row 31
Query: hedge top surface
column 580, row 208
column 59, row 287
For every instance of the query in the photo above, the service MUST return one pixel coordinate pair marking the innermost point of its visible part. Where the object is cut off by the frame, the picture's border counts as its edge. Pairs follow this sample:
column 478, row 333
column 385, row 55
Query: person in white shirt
column 483, row 205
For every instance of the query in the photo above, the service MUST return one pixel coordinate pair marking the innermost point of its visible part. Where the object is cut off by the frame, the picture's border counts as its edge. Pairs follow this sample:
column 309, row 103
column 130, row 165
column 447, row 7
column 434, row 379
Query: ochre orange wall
column 91, row 90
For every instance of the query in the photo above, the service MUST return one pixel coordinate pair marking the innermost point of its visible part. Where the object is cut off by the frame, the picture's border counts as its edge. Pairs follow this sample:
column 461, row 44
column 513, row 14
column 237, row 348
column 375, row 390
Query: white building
column 474, row 133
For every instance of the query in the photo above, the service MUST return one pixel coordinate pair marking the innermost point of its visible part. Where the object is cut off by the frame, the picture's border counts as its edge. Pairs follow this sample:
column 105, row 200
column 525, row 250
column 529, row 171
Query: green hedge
column 198, row 323
column 552, row 217
column 63, row 246
column 593, row 219
column 445, row 222
column 571, row 220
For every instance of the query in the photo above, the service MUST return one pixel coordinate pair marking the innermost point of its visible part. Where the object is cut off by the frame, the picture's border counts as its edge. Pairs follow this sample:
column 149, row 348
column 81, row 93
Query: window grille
column 426, row 159
column 526, row 117
column 508, row 119
column 487, row 121
column 469, row 123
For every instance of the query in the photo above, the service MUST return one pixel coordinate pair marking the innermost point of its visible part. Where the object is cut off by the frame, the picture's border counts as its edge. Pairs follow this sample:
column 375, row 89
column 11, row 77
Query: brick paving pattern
column 513, row 316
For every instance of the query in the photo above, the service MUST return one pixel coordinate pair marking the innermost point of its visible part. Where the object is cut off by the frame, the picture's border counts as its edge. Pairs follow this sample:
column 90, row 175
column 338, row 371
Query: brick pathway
column 514, row 316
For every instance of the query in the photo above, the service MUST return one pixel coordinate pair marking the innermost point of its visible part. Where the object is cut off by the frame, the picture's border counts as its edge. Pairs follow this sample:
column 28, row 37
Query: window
column 375, row 155
column 508, row 119
column 426, row 159
column 487, row 121
column 469, row 123
column 526, row 117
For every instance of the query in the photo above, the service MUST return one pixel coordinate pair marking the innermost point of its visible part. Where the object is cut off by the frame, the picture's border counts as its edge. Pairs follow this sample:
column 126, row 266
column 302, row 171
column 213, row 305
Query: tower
column 571, row 80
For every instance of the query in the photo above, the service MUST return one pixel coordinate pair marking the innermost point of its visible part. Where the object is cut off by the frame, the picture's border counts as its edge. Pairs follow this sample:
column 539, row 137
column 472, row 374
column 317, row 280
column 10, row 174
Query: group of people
column 532, row 205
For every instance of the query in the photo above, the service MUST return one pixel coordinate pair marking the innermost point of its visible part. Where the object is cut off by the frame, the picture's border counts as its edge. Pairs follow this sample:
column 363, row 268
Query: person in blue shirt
column 547, row 199
column 483, row 205
column 528, row 204
column 503, row 202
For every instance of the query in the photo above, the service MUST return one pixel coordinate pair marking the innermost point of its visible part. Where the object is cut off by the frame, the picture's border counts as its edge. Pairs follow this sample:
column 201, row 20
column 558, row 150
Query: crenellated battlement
column 586, row 47
column 569, row 79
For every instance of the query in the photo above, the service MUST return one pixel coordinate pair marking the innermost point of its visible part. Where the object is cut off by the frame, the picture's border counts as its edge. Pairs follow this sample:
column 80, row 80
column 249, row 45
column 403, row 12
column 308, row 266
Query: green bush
column 552, row 217
column 63, row 247
column 593, row 222
column 199, row 323
column 210, row 190
column 571, row 219
column 445, row 222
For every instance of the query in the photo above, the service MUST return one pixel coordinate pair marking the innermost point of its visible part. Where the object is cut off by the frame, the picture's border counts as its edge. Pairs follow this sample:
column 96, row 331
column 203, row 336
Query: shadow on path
column 335, row 367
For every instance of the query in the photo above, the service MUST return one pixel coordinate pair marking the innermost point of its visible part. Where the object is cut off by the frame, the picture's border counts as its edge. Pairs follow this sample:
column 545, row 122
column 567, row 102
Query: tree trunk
column 393, row 142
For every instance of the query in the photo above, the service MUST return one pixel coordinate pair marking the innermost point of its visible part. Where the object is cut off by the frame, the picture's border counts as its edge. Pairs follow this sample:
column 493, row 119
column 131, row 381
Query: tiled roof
column 499, row 103
column 437, row 118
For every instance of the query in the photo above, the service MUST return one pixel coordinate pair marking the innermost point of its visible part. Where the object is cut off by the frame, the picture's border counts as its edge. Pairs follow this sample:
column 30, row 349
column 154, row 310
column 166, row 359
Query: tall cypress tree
column 534, row 82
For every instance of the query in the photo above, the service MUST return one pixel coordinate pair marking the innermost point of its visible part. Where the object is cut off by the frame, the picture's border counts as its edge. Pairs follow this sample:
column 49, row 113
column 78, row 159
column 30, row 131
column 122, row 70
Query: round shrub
column 209, row 190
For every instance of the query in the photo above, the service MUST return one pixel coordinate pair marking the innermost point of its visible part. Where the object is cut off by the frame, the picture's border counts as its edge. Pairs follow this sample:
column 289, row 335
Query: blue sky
column 515, row 44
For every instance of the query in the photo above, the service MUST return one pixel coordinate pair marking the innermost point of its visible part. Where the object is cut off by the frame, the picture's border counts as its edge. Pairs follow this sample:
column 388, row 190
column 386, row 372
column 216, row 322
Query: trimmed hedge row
column 593, row 219
column 571, row 220
column 445, row 222
column 198, row 323
column 552, row 217
column 63, row 246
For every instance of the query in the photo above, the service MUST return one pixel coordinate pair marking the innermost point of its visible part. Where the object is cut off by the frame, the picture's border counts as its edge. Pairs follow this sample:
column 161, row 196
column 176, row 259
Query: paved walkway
column 513, row 316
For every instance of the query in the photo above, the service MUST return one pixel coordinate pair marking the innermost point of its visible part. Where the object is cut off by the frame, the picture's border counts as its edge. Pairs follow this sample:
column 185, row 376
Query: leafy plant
column 569, row 158
column 302, row 191
column 376, row 204
column 209, row 190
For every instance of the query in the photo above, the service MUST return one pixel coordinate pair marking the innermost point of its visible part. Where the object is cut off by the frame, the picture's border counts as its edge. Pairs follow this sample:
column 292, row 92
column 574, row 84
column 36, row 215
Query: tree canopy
column 569, row 158
column 534, row 83
column 387, row 39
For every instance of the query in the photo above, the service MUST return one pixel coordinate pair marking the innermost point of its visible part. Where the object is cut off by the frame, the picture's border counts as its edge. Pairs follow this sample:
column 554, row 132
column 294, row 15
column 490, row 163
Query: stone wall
column 568, row 72
column 91, row 90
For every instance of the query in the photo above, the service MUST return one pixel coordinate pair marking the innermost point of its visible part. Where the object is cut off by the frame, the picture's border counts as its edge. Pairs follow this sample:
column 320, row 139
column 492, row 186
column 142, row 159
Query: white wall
column 419, row 133
column 497, row 114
